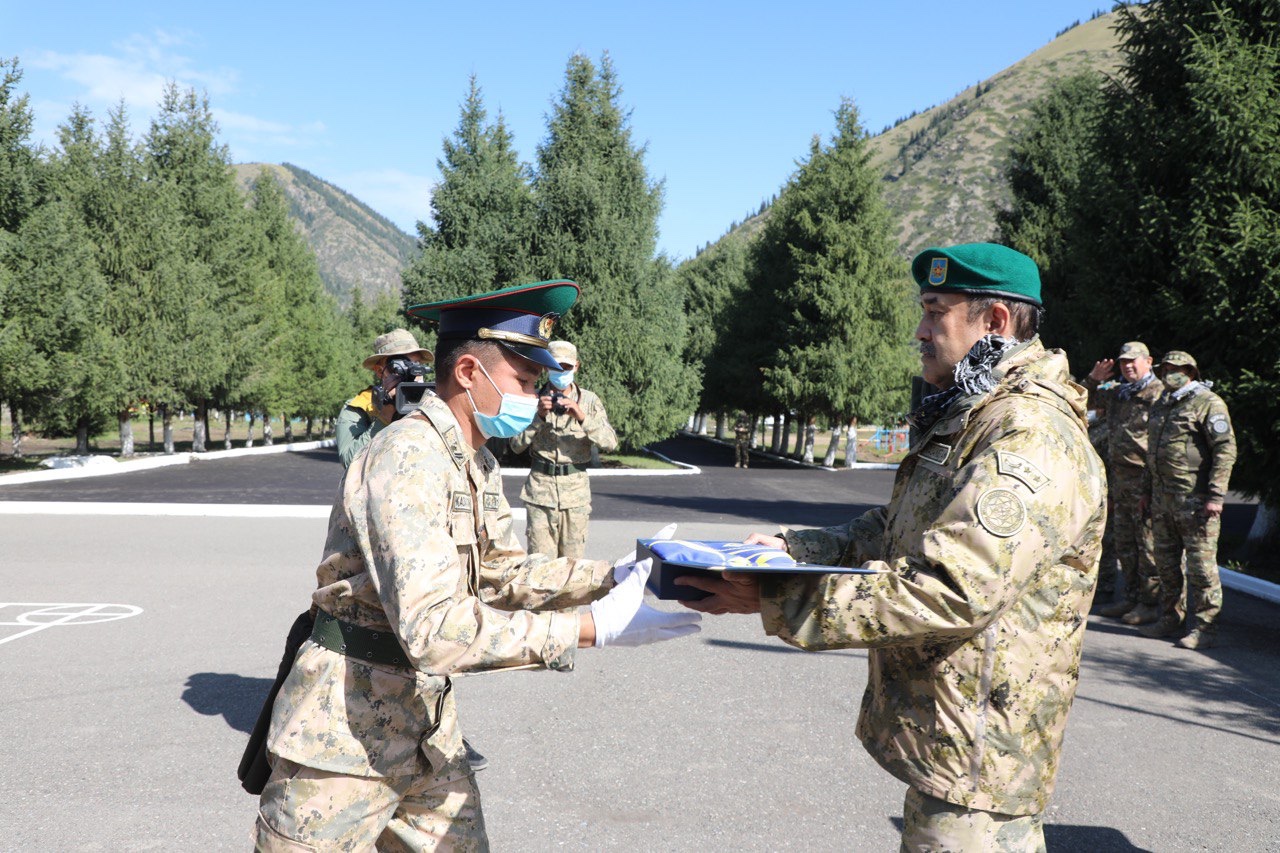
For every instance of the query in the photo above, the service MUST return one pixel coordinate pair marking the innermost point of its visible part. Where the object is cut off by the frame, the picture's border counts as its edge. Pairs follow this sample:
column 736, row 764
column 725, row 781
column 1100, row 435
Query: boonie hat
column 1135, row 349
column 564, row 352
column 396, row 342
column 1178, row 358
column 519, row 318
column 978, row 269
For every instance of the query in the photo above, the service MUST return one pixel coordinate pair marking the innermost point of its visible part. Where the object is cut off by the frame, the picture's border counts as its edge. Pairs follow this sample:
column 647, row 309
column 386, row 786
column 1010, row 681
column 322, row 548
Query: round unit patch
column 1219, row 425
column 1001, row 512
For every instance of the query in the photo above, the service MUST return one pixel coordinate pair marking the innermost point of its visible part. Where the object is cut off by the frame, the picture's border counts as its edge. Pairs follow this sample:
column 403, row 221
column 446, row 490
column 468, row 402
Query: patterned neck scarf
column 973, row 376
column 1128, row 389
column 1192, row 387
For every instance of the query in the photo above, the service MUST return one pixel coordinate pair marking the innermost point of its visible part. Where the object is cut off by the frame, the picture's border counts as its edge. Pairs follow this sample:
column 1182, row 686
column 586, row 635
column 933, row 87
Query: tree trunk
column 208, row 433
column 151, row 429
column 810, row 437
column 252, row 418
column 851, row 444
column 288, row 428
column 310, row 426
column 15, row 421
column 702, row 423
column 126, row 432
column 755, row 423
column 226, row 435
column 720, row 419
column 830, row 459
column 268, row 436
column 166, row 419
column 775, row 440
column 797, row 449
column 200, row 429
column 82, row 437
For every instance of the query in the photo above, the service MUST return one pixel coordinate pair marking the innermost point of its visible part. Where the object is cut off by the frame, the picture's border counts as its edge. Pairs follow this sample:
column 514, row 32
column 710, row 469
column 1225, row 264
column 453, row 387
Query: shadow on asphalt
column 779, row 646
column 1073, row 836
column 235, row 698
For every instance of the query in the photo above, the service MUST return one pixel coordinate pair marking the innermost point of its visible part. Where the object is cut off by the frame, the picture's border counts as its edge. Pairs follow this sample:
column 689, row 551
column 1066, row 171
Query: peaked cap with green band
column 978, row 269
column 520, row 318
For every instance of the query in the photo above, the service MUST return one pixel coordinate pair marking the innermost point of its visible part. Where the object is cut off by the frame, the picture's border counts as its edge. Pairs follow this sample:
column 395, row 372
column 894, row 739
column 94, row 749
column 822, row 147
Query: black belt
column 356, row 641
column 544, row 467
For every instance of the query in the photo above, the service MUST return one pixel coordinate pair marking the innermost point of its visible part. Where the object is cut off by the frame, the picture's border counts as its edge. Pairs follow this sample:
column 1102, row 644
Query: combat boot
column 1143, row 614
column 1117, row 609
column 1198, row 639
column 1163, row 627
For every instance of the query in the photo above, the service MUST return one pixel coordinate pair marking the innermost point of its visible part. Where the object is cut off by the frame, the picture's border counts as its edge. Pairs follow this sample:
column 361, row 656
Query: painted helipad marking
column 41, row 615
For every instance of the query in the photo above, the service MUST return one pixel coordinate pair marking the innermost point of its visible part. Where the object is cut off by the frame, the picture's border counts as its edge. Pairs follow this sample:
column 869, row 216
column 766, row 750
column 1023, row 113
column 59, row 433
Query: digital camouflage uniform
column 1191, row 451
column 559, row 505
column 988, row 554
column 1107, row 564
column 742, row 443
column 420, row 545
column 1126, row 466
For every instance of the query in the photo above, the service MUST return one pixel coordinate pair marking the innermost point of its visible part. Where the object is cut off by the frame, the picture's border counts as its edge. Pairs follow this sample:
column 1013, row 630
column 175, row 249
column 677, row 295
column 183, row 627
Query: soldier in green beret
column 984, row 566
column 1191, row 449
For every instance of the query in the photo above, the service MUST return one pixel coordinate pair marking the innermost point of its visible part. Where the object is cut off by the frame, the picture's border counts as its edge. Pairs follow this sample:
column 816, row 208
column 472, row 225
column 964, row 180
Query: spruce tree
column 597, row 214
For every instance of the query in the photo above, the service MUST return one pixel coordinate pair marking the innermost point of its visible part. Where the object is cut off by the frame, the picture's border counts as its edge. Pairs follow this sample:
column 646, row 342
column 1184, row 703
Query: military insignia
column 461, row 502
column 1022, row 470
column 1001, row 512
column 1219, row 425
column 936, row 452
column 546, row 324
column 938, row 271
column 490, row 501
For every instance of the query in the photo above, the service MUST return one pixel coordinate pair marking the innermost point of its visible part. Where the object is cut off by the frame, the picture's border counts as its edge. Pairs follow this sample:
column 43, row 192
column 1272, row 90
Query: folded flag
column 673, row 558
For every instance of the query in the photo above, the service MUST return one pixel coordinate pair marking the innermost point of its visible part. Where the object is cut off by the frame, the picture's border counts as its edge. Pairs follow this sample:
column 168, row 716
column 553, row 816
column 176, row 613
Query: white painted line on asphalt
column 179, row 509
column 56, row 614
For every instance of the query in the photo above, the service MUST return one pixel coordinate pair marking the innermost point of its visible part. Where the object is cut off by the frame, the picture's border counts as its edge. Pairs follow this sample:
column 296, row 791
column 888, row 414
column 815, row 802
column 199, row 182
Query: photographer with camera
column 396, row 359
column 557, row 494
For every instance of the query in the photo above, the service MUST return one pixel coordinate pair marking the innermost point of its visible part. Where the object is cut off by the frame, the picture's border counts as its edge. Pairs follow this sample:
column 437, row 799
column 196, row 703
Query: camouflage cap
column 564, row 352
column 1178, row 358
column 978, row 269
column 396, row 342
column 1135, row 349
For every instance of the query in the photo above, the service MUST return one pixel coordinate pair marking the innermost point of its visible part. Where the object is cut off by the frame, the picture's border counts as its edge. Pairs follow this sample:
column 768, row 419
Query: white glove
column 623, row 619
column 620, row 564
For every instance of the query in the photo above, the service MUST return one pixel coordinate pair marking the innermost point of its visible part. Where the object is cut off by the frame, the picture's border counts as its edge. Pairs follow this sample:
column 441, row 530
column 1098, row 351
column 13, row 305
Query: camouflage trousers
column 1182, row 527
column 1134, row 542
column 557, row 532
column 307, row 809
column 741, row 454
column 930, row 825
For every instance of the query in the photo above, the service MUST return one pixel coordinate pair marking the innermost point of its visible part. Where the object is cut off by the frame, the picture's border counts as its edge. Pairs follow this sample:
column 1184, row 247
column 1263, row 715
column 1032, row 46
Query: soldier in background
column 742, row 441
column 1191, row 451
column 1128, row 407
column 557, row 494
column 364, row 415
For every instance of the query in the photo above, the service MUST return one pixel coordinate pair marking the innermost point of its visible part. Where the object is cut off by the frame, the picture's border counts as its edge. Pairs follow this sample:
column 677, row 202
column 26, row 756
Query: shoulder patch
column 1219, row 424
column 490, row 501
column 936, row 452
column 1021, row 469
column 1001, row 512
column 461, row 502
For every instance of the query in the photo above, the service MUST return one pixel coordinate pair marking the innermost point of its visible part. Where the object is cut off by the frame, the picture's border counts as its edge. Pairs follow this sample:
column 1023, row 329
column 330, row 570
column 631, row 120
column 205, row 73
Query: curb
column 1250, row 585
column 857, row 466
column 685, row 469
column 149, row 463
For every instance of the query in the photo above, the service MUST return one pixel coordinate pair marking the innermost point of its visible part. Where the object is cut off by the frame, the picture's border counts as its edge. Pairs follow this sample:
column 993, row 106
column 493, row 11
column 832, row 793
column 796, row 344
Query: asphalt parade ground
column 135, row 650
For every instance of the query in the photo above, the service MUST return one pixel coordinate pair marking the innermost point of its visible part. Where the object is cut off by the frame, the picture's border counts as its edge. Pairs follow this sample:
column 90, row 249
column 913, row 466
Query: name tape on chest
column 461, row 502
column 490, row 501
column 1021, row 469
column 936, row 452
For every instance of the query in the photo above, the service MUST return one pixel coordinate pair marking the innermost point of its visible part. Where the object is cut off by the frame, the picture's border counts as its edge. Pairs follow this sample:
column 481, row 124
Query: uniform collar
column 440, row 416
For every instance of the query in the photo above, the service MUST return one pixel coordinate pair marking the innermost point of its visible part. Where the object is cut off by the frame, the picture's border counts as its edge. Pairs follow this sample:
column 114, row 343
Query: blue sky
column 725, row 95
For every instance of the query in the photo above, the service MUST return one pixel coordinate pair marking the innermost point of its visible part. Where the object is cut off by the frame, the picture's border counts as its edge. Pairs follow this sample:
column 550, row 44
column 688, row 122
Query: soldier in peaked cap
column 571, row 421
column 365, row 414
column 1191, row 449
column 423, row 577
column 984, row 566
column 1128, row 410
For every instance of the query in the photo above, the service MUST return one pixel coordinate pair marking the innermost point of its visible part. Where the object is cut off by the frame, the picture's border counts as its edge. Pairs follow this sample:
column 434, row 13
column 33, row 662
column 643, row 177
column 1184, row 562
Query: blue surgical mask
column 562, row 379
column 515, row 413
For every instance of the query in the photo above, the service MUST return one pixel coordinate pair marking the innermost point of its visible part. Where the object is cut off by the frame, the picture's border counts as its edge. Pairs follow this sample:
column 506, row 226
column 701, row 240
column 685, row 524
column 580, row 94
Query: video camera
column 410, row 391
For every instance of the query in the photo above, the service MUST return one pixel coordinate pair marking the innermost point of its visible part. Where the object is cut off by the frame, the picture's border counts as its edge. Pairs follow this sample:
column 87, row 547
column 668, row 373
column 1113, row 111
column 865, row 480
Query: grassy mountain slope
column 943, row 166
column 356, row 248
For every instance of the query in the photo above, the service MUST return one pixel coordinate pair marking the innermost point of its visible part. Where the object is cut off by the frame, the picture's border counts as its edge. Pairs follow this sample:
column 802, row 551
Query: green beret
column 978, row 269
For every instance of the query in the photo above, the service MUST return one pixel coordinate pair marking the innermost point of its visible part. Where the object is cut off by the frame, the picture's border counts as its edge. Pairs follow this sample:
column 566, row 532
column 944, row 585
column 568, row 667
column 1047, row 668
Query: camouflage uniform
column 559, row 505
column 1191, row 451
column 742, row 443
column 1098, row 435
column 421, row 546
column 1126, row 466
column 988, row 554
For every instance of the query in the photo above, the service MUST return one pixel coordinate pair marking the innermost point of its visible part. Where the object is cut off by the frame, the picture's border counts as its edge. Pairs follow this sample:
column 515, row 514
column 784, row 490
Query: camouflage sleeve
column 354, row 430
column 850, row 544
column 405, row 524
column 987, row 542
column 513, row 579
column 597, row 427
column 1222, row 445
column 521, row 442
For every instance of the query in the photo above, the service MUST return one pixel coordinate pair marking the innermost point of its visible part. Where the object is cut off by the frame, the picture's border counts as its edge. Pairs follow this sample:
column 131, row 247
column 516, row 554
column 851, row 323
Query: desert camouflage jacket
column 421, row 544
column 987, row 557
column 1126, row 421
column 560, row 439
column 1192, row 447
